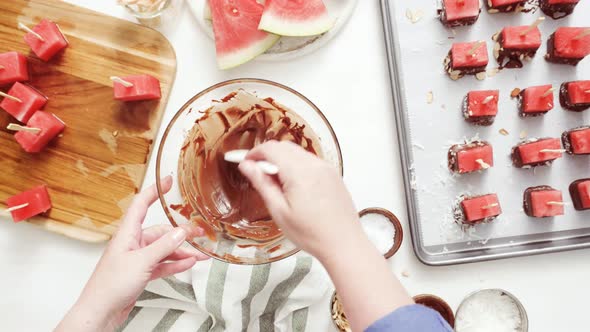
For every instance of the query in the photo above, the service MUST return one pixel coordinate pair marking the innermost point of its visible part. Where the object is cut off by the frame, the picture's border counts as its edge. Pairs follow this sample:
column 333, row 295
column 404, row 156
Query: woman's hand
column 132, row 259
column 309, row 201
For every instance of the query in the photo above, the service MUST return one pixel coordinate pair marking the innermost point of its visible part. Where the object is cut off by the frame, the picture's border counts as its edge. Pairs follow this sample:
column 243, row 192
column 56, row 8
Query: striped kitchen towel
column 216, row 296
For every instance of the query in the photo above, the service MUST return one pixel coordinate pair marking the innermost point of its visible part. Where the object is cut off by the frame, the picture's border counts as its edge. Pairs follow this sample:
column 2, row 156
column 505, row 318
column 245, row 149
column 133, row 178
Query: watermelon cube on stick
column 237, row 37
column 296, row 18
column 22, row 101
column 40, row 130
column 136, row 88
column 45, row 39
column 13, row 68
column 29, row 203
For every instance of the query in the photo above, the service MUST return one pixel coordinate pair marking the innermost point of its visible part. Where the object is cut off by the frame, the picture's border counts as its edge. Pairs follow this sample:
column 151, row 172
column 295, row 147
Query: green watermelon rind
column 234, row 59
column 284, row 27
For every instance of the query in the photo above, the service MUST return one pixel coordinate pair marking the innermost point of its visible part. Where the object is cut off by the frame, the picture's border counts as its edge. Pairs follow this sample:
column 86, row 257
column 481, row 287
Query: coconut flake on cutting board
column 379, row 230
column 489, row 311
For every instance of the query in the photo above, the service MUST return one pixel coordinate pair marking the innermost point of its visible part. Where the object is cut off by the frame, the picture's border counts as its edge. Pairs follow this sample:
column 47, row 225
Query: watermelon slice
column 296, row 17
column 237, row 38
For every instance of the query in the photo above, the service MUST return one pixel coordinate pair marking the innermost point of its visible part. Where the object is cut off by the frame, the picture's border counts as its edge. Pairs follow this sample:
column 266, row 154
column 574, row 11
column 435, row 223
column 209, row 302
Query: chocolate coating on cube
column 470, row 64
column 567, row 103
column 580, row 199
column 557, row 10
column 575, row 145
column 486, row 213
column 454, row 14
column 529, row 205
column 520, row 162
column 511, row 54
column 482, row 150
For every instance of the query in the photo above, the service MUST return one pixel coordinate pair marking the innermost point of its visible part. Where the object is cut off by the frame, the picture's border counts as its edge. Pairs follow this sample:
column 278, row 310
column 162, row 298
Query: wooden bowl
column 399, row 233
column 438, row 304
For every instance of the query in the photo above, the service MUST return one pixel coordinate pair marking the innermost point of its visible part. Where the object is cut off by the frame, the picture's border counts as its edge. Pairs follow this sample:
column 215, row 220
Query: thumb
column 164, row 246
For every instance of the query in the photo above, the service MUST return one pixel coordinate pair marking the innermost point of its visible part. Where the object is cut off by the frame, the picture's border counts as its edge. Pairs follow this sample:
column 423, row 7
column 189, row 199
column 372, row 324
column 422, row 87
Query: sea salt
column 489, row 311
column 379, row 230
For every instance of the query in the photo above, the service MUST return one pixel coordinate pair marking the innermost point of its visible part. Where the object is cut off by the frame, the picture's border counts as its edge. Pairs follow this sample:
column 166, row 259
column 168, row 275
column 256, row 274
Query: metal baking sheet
column 416, row 43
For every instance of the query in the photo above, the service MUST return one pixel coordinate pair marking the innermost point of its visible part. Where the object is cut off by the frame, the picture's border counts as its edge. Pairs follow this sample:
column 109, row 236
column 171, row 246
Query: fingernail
column 178, row 234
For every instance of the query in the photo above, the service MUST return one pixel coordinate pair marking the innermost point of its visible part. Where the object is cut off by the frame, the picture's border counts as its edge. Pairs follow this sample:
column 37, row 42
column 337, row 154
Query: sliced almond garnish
column 429, row 97
column 515, row 92
column 504, row 132
column 523, row 134
column 493, row 71
column 481, row 76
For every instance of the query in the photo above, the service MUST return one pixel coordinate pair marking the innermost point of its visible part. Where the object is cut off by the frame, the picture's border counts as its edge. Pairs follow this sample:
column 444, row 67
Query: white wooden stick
column 18, row 207
column 121, row 81
column 17, row 127
column 483, row 164
column 237, row 156
column 5, row 95
column 533, row 26
column 548, row 92
column 475, row 47
column 460, row 2
column 487, row 100
column 490, row 206
column 552, row 151
column 29, row 30
column 587, row 91
column 1, row 67
column 582, row 34
column 555, row 203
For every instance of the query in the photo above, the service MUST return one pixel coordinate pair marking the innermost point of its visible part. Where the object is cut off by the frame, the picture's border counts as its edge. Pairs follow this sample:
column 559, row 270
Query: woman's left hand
column 132, row 259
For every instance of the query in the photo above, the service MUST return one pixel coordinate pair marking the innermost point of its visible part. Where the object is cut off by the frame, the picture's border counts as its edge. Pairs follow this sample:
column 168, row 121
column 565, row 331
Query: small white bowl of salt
column 491, row 310
column 383, row 229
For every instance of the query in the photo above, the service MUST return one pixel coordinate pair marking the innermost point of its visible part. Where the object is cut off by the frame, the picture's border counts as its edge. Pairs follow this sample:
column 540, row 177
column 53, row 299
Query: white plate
column 288, row 47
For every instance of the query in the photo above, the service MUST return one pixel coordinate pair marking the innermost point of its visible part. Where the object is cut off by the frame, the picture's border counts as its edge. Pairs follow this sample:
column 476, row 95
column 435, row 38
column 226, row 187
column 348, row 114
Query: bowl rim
column 186, row 105
column 440, row 301
column 399, row 232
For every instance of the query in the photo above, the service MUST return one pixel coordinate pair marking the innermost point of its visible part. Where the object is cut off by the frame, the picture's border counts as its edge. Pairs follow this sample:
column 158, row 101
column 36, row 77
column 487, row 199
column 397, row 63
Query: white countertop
column 43, row 273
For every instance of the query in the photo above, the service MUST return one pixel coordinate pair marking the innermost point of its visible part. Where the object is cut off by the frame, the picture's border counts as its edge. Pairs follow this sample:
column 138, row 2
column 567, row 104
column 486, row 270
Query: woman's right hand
column 307, row 199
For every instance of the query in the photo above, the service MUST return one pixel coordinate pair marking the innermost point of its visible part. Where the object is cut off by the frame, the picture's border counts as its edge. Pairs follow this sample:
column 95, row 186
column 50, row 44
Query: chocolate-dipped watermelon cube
column 575, row 96
column 466, row 59
column 49, row 127
column 467, row 158
column 13, row 68
column 137, row 87
column 481, row 107
column 536, row 100
column 543, row 202
column 568, row 45
column 29, row 203
column 558, row 8
column 47, row 41
column 456, row 13
column 505, row 6
column 23, row 101
column 536, row 152
column 577, row 141
column 478, row 209
column 515, row 44
column 580, row 192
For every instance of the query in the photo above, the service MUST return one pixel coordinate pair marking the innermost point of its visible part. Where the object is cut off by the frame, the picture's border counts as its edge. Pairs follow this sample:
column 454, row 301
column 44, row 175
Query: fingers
column 281, row 154
column 164, row 246
column 167, row 269
column 267, row 187
column 136, row 213
column 182, row 253
column 151, row 234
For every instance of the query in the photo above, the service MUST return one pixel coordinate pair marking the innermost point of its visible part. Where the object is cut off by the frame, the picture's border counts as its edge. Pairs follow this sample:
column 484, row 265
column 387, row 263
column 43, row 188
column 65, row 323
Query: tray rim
column 534, row 247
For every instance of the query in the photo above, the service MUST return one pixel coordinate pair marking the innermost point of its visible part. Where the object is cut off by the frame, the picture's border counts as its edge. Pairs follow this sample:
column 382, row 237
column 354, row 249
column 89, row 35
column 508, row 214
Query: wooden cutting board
column 99, row 163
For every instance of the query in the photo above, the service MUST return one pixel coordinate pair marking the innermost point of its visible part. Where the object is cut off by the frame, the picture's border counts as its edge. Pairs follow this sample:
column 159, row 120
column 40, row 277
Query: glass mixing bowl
column 225, row 248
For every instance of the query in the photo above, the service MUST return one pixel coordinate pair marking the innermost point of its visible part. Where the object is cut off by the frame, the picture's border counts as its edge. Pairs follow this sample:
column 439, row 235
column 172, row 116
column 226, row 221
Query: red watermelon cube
column 481, row 107
column 53, row 40
column 462, row 58
column 577, row 141
column 36, row 201
column 29, row 101
column 536, row 100
column 580, row 192
column 467, row 158
column 536, row 152
column 458, row 13
column 575, row 96
column 480, row 208
column 50, row 126
column 13, row 68
column 514, row 39
column 144, row 87
column 568, row 45
column 542, row 202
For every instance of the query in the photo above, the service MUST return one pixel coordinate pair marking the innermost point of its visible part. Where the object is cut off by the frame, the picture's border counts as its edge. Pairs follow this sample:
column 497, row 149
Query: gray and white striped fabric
column 216, row 296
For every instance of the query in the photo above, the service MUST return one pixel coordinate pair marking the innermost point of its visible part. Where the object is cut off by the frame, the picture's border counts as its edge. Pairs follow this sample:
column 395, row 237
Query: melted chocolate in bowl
column 216, row 195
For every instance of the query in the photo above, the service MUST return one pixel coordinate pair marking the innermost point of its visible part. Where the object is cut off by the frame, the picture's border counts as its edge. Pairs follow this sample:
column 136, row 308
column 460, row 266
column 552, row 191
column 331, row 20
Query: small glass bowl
column 225, row 248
